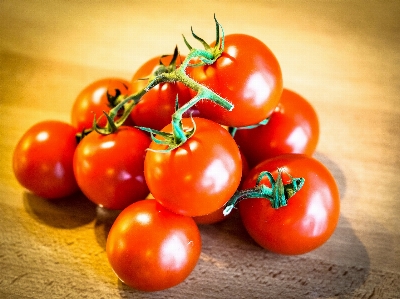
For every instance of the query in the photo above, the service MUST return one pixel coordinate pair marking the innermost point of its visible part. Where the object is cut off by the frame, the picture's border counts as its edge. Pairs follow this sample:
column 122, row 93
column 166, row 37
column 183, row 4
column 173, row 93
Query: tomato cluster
column 182, row 143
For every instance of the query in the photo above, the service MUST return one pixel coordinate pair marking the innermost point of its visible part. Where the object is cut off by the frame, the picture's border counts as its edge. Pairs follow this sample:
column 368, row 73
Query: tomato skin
column 247, row 74
column 292, row 128
column 92, row 101
column 218, row 216
column 311, row 215
column 212, row 218
column 109, row 168
column 156, row 107
column 42, row 159
column 152, row 249
column 198, row 177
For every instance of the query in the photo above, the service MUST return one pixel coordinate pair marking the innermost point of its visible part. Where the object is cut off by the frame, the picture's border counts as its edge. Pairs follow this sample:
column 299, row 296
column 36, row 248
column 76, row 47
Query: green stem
column 233, row 130
column 208, row 55
column 128, row 103
column 202, row 93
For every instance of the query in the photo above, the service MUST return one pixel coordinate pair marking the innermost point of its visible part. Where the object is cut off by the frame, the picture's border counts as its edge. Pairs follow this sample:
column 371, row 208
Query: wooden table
column 343, row 56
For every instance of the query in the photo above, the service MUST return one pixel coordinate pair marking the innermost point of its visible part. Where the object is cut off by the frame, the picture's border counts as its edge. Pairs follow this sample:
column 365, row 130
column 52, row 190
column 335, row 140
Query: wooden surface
column 343, row 56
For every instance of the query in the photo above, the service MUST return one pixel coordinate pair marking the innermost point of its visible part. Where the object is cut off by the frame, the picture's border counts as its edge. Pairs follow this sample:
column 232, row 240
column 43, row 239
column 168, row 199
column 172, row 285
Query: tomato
column 292, row 128
column 92, row 101
column 42, row 159
column 156, row 107
column 311, row 215
column 246, row 74
column 109, row 168
column 198, row 177
column 150, row 248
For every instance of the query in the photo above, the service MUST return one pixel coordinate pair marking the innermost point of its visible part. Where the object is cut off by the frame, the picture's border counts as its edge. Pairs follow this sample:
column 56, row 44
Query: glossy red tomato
column 92, row 101
column 311, row 215
column 150, row 248
column 198, row 177
column 109, row 168
column 247, row 74
column 42, row 159
column 156, row 107
column 292, row 128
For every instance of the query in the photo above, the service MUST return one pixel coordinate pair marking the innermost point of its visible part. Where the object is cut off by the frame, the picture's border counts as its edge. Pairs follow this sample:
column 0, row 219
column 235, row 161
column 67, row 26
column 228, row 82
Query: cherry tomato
column 109, row 168
column 150, row 248
column 247, row 74
column 92, row 101
column 292, row 128
column 311, row 215
column 198, row 177
column 156, row 107
column 42, row 159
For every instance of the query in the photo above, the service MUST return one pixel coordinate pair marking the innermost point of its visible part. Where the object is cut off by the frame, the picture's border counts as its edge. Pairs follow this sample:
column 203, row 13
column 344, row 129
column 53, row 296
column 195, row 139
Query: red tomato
column 92, row 101
column 311, row 215
column 109, row 168
column 198, row 177
column 156, row 107
column 150, row 248
column 292, row 128
column 42, row 159
column 248, row 75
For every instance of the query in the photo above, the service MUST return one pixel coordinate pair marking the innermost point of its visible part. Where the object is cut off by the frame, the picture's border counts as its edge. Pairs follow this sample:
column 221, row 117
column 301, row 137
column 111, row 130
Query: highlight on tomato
column 42, row 159
column 293, row 127
column 95, row 98
column 199, row 176
column 218, row 215
column 109, row 168
column 311, row 215
column 151, row 248
column 247, row 74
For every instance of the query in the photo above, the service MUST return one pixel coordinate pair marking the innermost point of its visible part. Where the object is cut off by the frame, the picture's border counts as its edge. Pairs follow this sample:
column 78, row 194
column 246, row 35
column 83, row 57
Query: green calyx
column 170, row 140
column 171, row 73
column 278, row 194
column 210, row 54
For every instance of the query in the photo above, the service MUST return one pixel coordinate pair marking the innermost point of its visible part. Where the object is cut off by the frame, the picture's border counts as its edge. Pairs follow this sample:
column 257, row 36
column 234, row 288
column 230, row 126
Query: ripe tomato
column 42, row 159
column 309, row 218
column 247, row 74
column 198, row 177
column 150, row 248
column 92, row 101
column 292, row 128
column 156, row 107
column 109, row 168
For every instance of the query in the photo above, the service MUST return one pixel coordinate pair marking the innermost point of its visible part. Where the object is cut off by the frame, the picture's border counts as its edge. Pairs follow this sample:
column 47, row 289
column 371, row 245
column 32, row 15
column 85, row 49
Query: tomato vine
column 208, row 55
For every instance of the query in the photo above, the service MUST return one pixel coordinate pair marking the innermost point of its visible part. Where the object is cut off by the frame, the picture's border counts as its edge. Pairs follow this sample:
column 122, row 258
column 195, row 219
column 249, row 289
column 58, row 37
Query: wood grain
column 344, row 56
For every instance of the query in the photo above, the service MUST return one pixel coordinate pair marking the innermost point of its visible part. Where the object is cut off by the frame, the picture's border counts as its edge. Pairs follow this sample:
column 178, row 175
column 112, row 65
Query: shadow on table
column 69, row 212
column 104, row 220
